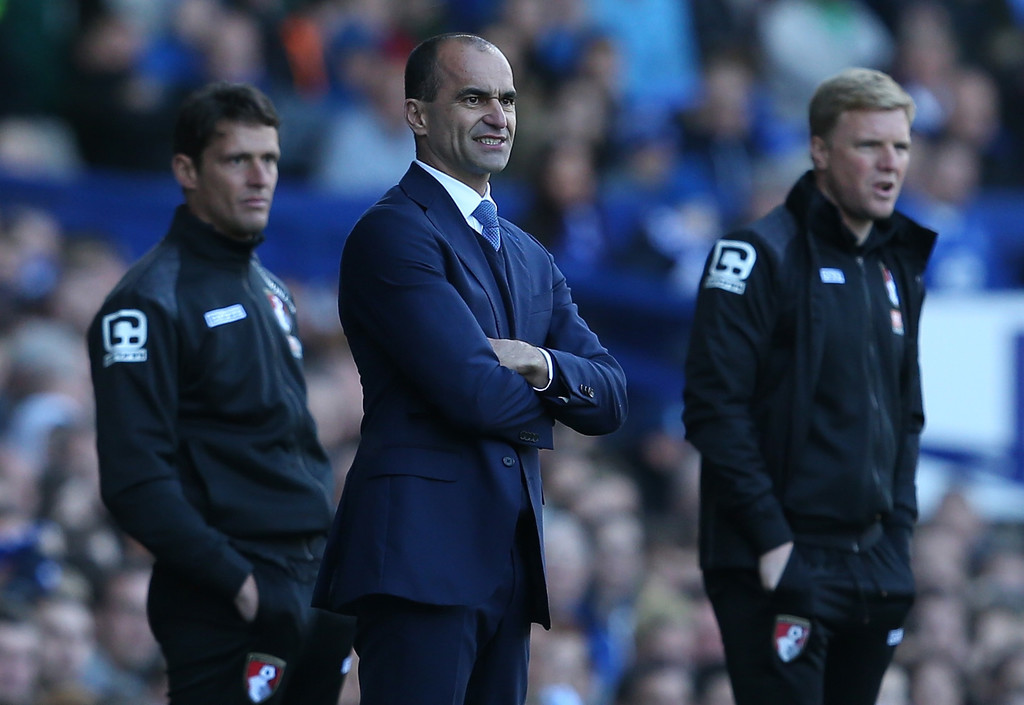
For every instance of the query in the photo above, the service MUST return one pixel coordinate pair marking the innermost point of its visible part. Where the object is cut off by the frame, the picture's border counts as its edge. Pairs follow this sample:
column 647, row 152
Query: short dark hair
column 200, row 112
column 421, row 76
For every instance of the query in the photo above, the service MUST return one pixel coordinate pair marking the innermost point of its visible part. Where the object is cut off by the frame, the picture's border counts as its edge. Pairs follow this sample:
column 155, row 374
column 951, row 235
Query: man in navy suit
column 469, row 348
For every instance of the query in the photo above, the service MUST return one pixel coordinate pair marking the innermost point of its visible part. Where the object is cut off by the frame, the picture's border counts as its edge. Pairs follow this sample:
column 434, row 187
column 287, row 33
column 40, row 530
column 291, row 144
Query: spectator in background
column 927, row 59
column 895, row 689
column 609, row 611
column 29, row 569
column 128, row 657
column 20, row 646
column 567, row 214
column 91, row 264
column 32, row 240
column 655, row 684
column 570, row 564
column 713, row 687
column 804, row 41
column 937, row 680
column 719, row 134
column 119, row 117
column 943, row 196
column 67, row 644
column 975, row 119
column 560, row 669
column 725, row 25
column 656, row 43
column 369, row 131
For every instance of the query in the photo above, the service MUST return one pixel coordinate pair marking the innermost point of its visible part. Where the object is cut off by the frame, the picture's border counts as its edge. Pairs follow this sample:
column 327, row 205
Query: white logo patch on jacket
column 831, row 275
column 228, row 314
column 124, row 336
column 731, row 263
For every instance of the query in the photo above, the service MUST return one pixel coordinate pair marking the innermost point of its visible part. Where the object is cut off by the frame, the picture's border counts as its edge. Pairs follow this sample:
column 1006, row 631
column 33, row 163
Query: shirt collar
column 466, row 198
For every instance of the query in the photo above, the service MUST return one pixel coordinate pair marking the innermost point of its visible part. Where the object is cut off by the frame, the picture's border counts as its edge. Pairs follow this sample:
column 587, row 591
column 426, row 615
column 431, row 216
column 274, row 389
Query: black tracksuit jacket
column 803, row 390
column 203, row 430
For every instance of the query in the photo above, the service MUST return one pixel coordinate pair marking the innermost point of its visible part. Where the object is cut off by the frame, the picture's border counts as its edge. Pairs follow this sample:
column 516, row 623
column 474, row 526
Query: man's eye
column 472, row 100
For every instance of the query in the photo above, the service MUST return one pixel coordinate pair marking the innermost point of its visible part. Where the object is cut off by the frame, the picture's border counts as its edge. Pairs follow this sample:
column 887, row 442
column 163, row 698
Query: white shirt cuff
column 551, row 370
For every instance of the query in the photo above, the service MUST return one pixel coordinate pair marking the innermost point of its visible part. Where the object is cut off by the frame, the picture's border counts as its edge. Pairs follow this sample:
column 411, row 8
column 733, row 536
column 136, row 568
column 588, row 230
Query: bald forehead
column 457, row 57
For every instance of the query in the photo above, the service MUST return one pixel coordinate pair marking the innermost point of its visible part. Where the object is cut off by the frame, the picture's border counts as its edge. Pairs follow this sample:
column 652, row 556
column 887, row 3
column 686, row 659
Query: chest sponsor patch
column 262, row 676
column 791, row 635
column 831, row 275
column 731, row 263
column 124, row 336
column 221, row 316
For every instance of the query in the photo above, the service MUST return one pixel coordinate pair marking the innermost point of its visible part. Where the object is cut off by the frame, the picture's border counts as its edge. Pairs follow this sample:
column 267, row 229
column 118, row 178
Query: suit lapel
column 518, row 274
column 443, row 214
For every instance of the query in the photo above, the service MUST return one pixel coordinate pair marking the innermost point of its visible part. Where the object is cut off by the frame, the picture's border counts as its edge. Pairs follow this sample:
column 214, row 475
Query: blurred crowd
column 646, row 128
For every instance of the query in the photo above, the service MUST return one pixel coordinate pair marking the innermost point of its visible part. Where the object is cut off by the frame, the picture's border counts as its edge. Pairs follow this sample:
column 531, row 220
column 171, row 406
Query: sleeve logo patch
column 732, row 261
column 228, row 314
column 124, row 336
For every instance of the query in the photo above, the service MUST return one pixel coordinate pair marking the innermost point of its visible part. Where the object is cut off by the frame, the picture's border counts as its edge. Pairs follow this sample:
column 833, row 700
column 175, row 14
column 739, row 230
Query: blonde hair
column 855, row 89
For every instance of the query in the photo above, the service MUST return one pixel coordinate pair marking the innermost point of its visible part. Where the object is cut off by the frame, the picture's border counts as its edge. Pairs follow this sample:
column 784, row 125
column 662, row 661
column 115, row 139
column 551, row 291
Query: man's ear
column 184, row 171
column 819, row 153
column 415, row 116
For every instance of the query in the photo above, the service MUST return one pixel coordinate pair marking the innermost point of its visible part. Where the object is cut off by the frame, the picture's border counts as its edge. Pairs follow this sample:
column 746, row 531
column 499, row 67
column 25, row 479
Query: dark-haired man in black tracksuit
column 803, row 396
column 209, row 456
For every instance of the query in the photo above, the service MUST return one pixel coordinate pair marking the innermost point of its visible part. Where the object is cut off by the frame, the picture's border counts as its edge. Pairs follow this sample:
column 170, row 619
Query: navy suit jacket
column 429, row 507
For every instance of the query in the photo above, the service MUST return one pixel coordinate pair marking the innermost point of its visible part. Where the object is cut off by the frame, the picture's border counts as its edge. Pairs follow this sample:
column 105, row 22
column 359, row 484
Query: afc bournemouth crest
column 791, row 635
column 262, row 676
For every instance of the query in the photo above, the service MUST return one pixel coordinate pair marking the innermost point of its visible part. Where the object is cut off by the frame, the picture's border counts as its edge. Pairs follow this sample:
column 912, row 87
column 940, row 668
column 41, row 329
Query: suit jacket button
column 587, row 390
column 508, row 461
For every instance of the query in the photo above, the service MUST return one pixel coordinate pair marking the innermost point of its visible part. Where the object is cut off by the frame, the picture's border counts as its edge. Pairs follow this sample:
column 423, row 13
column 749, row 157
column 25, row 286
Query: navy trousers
column 416, row 654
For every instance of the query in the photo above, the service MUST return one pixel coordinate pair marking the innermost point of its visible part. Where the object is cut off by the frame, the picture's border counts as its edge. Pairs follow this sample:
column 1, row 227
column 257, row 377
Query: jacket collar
column 821, row 219
column 203, row 241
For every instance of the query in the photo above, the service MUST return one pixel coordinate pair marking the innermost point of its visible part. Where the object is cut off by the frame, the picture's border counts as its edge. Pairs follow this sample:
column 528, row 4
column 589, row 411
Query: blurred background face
column 68, row 640
column 19, row 663
column 233, row 187
column 123, row 628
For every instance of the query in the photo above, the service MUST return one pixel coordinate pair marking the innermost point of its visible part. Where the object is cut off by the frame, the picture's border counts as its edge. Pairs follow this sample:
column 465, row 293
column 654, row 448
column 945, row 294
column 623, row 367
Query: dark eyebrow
column 481, row 93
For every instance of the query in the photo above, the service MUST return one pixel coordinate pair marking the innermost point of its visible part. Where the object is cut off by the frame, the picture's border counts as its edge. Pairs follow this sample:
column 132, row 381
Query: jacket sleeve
column 133, row 350
column 394, row 286
column 588, row 391
column 736, row 310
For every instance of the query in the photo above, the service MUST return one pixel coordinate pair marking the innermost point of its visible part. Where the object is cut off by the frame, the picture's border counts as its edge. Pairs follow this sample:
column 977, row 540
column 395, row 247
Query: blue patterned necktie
column 487, row 214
